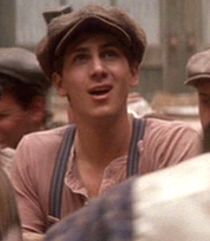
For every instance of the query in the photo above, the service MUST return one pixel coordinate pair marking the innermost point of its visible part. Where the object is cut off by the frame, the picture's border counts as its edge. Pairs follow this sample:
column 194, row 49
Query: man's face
column 203, row 89
column 96, row 77
column 14, row 122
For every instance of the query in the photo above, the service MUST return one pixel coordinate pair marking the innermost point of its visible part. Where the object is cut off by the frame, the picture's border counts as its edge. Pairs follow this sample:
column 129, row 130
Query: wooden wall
column 175, row 30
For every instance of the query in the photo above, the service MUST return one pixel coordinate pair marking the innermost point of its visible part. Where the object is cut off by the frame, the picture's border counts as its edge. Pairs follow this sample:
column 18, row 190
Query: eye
column 110, row 54
column 80, row 58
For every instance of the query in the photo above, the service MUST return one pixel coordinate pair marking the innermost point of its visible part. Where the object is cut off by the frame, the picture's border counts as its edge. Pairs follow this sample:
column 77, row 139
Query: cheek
column 8, row 125
column 13, row 122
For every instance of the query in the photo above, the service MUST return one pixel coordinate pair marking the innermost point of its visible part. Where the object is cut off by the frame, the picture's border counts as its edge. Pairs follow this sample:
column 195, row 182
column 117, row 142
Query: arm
column 24, row 178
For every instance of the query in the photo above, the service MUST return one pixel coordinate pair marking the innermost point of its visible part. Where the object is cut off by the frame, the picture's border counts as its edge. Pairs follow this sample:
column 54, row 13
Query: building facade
column 175, row 30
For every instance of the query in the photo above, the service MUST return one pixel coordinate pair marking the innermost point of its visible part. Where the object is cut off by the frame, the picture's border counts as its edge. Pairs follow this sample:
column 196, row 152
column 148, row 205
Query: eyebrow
column 104, row 45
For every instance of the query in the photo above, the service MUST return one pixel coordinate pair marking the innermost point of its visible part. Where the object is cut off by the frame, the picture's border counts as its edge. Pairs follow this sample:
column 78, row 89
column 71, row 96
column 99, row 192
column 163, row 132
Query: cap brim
column 98, row 23
column 192, row 80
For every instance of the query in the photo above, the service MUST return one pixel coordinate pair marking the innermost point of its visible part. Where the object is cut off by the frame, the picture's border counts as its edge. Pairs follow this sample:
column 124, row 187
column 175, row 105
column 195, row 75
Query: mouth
column 100, row 90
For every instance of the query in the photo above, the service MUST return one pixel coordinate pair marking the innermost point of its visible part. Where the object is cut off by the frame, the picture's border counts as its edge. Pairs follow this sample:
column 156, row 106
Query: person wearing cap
column 23, row 98
column 198, row 76
column 93, row 57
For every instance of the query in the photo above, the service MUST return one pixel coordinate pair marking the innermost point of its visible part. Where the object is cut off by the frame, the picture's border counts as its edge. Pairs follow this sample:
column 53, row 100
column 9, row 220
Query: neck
column 102, row 142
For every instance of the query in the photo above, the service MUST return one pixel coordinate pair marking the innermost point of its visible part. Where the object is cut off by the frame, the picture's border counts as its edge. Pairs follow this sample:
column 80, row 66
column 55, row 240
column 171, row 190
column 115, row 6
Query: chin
column 104, row 114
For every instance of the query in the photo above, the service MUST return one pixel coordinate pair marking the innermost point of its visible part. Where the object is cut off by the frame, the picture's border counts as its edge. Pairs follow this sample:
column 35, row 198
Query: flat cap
column 55, row 12
column 63, row 29
column 21, row 64
column 198, row 67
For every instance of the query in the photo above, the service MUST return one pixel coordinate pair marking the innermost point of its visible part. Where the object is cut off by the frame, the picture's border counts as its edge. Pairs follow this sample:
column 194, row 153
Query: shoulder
column 39, row 147
column 170, row 127
column 170, row 142
column 47, row 134
column 43, row 139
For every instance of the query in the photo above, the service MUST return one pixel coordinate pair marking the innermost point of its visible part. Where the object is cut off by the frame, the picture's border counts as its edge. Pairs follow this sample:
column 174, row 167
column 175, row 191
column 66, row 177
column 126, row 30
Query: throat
column 91, row 177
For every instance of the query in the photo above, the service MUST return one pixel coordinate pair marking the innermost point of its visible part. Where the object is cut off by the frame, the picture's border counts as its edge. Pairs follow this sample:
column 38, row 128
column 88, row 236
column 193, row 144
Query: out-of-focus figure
column 10, row 228
column 138, row 105
column 23, row 97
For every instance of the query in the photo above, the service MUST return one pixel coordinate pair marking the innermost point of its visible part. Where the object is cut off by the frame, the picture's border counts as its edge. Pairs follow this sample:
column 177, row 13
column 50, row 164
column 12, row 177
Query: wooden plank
column 206, row 22
column 80, row 3
column 179, row 29
column 147, row 14
column 7, row 23
column 30, row 25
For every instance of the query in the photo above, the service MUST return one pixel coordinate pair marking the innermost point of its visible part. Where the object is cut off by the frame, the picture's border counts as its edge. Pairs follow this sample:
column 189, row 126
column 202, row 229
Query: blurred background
column 175, row 30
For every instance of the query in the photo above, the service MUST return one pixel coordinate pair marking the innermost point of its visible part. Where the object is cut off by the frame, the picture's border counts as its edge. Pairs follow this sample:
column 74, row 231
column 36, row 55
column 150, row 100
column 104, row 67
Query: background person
column 10, row 228
column 23, row 95
column 198, row 76
column 23, row 98
column 137, row 105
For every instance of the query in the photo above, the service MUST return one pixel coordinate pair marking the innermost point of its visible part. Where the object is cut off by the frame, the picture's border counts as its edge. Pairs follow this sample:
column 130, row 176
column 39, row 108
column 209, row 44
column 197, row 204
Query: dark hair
column 9, row 217
column 23, row 92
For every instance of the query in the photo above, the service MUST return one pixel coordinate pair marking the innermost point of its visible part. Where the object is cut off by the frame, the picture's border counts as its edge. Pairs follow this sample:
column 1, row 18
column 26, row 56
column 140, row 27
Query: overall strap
column 133, row 153
column 59, row 172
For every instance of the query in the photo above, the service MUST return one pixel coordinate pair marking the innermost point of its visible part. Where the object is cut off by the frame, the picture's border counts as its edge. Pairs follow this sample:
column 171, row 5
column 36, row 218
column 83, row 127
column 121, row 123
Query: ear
column 58, row 83
column 134, row 80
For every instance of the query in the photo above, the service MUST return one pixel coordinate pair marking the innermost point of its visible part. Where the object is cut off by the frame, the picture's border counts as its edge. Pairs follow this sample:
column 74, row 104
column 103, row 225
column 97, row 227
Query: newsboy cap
column 63, row 29
column 55, row 12
column 198, row 67
column 21, row 64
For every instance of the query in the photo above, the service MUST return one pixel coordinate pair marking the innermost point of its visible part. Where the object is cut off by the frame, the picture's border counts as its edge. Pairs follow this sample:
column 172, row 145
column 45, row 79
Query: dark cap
column 62, row 30
column 21, row 64
column 198, row 67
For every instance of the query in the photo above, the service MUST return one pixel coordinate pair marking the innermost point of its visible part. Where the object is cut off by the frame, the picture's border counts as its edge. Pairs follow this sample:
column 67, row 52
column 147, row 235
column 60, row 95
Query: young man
column 93, row 57
column 23, row 99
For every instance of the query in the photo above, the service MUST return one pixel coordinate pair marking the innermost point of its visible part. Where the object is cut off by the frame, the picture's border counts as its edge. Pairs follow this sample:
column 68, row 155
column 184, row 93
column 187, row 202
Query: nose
column 98, row 69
